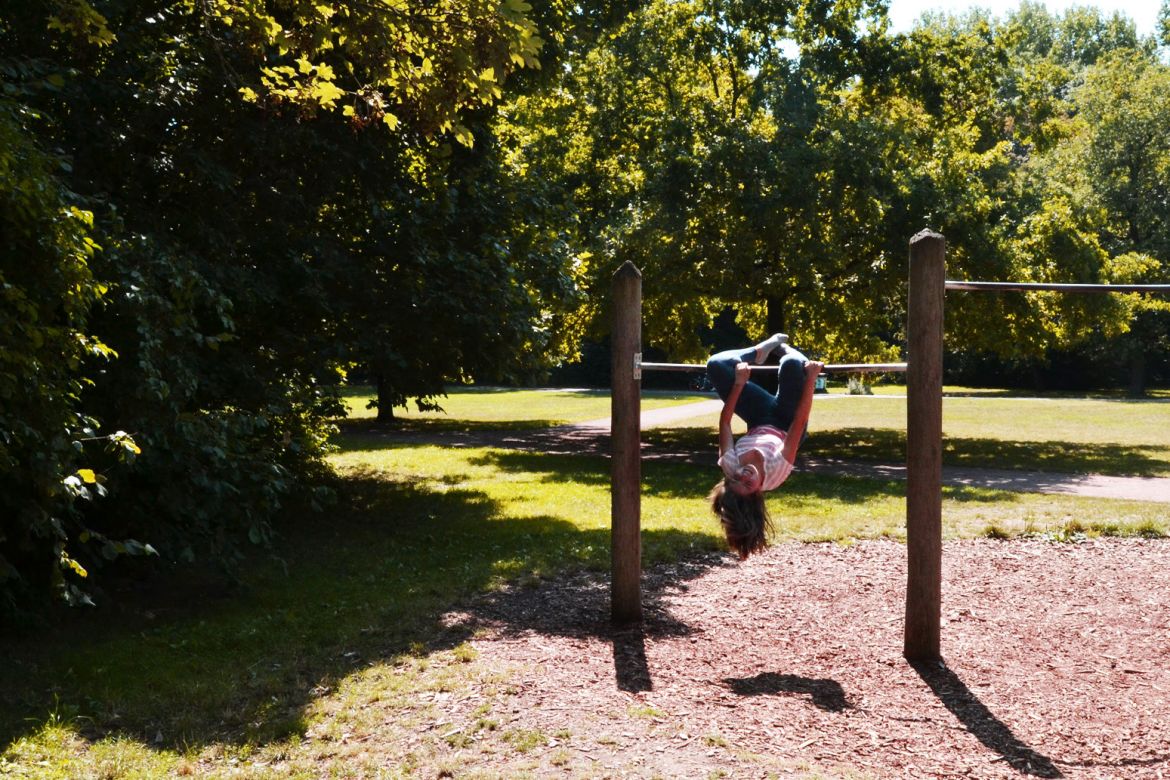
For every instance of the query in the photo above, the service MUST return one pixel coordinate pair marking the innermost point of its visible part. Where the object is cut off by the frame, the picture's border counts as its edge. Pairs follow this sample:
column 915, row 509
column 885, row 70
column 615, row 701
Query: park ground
column 790, row 665
column 450, row 617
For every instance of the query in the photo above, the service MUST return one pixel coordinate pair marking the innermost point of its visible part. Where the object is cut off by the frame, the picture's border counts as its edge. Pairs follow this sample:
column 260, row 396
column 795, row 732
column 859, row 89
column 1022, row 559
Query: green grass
column 486, row 408
column 1071, row 435
column 894, row 387
column 342, row 633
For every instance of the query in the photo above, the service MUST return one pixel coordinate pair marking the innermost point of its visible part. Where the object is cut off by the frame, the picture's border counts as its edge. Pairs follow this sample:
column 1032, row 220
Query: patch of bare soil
column 1057, row 664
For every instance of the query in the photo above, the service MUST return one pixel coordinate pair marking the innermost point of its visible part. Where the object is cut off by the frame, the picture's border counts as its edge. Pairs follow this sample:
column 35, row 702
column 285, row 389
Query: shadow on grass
column 979, row 720
column 373, row 582
column 368, row 426
column 666, row 479
column 881, row 444
column 697, row 445
column 659, row 478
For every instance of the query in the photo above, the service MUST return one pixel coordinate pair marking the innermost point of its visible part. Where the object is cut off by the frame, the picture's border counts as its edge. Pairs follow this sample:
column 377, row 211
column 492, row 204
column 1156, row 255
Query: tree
column 697, row 144
column 452, row 276
column 1011, row 84
column 250, row 168
column 47, row 290
column 1118, row 164
column 776, row 158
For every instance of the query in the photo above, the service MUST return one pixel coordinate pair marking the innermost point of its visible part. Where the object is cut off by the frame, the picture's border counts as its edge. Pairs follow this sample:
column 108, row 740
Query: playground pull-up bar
column 1056, row 287
column 626, row 466
column 924, row 329
column 923, row 435
column 835, row 367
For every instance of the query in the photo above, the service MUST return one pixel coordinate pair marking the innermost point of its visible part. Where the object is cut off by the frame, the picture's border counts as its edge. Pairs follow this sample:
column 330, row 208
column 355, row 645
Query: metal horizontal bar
column 838, row 367
column 1056, row 287
column 870, row 367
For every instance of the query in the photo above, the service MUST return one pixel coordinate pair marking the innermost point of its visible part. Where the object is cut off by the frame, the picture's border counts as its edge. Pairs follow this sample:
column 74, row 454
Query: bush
column 46, row 292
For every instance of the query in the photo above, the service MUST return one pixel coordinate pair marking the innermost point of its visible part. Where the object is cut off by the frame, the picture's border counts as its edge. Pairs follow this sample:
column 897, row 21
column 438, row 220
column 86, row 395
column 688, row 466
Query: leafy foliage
column 1117, row 162
column 776, row 158
column 252, row 229
column 418, row 64
column 691, row 143
column 47, row 442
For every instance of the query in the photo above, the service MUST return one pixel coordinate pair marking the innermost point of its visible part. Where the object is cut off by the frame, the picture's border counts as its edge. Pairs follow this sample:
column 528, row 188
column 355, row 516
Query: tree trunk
column 1038, row 382
column 776, row 324
column 385, row 402
column 1137, row 373
column 776, row 316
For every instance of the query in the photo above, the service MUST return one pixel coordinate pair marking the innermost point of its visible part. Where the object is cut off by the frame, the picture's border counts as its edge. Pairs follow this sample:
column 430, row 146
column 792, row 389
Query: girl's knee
column 722, row 364
column 792, row 366
column 717, row 371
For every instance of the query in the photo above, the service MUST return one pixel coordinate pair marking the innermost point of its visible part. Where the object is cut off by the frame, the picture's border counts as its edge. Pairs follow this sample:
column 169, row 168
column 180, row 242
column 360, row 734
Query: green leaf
column 464, row 136
column 77, row 568
column 327, row 93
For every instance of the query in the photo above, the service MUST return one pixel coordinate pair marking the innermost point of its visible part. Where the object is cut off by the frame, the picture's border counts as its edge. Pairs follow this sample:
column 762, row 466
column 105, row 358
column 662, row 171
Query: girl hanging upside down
column 762, row 459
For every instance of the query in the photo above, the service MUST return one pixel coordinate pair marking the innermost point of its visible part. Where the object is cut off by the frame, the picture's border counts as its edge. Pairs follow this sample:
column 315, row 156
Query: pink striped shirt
column 769, row 442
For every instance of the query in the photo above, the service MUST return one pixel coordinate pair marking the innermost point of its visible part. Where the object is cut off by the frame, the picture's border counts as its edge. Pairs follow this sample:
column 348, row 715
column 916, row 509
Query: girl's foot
column 765, row 348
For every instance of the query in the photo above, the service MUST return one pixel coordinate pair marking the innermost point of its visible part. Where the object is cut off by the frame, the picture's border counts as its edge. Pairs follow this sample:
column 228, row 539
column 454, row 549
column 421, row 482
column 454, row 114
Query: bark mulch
column 1057, row 664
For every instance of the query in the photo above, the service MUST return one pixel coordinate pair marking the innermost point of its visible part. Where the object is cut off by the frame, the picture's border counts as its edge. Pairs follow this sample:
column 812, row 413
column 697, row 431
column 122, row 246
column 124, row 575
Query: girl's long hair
column 745, row 519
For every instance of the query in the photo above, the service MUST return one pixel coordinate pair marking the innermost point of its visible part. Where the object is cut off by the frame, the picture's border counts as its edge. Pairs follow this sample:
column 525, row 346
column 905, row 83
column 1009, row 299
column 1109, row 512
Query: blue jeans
column 756, row 406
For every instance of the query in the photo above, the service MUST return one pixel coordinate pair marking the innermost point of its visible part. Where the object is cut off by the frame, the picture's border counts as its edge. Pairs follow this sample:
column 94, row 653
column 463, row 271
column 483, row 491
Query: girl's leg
column 721, row 366
column 789, row 386
column 755, row 405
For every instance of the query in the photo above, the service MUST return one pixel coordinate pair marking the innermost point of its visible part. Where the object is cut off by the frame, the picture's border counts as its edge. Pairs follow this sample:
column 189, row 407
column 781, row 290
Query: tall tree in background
column 1116, row 165
column 697, row 143
column 776, row 157
column 1058, row 236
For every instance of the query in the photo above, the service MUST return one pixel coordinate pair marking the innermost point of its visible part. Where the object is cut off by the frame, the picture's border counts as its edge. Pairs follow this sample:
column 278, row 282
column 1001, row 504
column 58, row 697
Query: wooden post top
column 627, row 269
column 923, row 235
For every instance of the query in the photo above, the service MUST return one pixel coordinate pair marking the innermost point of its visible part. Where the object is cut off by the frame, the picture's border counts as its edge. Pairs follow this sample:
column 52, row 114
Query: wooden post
column 625, row 438
column 924, row 447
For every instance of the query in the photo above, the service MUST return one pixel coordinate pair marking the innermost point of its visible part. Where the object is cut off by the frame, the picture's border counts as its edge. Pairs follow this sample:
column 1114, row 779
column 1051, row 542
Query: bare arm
column 800, row 422
column 742, row 372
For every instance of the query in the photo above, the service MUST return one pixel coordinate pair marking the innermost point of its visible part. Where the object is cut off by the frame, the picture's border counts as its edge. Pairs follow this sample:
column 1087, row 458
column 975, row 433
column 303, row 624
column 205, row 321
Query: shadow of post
column 629, row 659
column 825, row 693
column 979, row 720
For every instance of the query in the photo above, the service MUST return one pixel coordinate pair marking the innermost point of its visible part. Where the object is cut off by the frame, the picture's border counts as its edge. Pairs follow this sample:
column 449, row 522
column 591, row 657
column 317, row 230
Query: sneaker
column 770, row 345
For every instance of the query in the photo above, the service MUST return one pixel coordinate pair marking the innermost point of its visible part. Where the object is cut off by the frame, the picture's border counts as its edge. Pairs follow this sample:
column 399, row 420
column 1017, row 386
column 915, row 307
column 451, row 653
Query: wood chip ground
column 1057, row 664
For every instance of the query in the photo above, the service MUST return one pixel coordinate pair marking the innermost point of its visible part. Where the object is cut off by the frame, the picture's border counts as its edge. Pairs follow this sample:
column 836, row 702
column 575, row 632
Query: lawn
column 1062, row 434
column 340, row 630
column 487, row 408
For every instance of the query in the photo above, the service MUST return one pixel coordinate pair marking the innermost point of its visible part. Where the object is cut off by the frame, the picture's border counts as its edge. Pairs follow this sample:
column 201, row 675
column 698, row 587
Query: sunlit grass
column 1075, row 435
column 503, row 405
column 810, row 507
